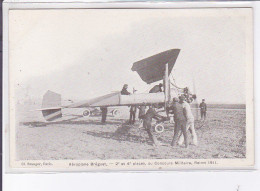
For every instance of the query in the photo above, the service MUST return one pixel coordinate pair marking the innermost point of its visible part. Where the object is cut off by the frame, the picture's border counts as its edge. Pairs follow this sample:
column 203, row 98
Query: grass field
column 74, row 137
column 223, row 106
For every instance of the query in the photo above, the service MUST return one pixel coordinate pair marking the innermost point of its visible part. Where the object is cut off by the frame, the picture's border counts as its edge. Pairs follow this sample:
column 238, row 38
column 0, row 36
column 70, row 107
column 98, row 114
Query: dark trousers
column 180, row 127
column 203, row 114
column 104, row 115
column 132, row 117
column 148, row 126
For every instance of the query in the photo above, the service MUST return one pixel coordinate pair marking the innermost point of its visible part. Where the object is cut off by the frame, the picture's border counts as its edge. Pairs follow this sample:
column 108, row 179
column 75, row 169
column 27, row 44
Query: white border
column 141, row 5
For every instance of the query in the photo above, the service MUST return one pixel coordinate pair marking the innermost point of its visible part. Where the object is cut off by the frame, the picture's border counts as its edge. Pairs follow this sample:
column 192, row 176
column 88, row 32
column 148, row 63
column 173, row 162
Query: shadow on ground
column 69, row 122
column 121, row 134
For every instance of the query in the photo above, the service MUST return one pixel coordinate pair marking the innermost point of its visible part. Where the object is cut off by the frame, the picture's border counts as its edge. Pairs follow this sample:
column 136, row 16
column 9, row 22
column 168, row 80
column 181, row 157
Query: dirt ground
column 74, row 137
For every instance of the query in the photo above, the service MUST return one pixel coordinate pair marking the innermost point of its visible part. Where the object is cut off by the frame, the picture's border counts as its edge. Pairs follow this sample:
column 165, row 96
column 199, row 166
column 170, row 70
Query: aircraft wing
column 116, row 99
column 52, row 100
column 106, row 100
column 152, row 69
column 49, row 108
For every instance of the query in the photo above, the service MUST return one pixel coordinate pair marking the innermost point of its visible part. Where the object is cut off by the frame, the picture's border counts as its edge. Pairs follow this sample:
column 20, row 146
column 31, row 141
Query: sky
column 86, row 53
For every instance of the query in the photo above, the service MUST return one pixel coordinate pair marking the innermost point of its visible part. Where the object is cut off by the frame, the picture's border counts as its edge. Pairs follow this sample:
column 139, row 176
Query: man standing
column 132, row 114
column 150, row 114
column 203, row 109
column 180, row 121
column 104, row 114
column 190, row 122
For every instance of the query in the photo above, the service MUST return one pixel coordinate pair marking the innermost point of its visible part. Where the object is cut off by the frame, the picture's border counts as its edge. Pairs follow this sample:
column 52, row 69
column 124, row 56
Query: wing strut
column 166, row 85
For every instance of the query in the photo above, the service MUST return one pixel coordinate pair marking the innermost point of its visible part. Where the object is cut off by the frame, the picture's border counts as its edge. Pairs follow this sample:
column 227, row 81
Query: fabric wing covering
column 152, row 69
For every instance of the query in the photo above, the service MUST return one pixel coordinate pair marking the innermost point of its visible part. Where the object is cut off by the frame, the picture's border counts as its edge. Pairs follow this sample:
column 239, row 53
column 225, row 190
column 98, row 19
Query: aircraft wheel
column 86, row 113
column 159, row 128
column 116, row 113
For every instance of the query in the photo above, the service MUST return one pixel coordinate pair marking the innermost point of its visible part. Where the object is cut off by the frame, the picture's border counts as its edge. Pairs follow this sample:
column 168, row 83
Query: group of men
column 183, row 117
column 133, row 109
column 183, row 121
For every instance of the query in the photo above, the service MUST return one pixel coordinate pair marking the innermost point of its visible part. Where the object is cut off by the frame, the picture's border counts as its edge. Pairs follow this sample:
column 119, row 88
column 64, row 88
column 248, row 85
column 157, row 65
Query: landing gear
column 86, row 113
column 159, row 128
column 116, row 113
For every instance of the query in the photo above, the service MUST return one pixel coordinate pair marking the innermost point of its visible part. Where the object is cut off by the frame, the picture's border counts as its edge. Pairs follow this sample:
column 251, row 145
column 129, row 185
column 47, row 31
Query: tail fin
column 51, row 106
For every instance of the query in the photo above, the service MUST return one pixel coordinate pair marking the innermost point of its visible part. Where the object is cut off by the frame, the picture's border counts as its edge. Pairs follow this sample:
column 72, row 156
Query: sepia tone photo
column 131, row 88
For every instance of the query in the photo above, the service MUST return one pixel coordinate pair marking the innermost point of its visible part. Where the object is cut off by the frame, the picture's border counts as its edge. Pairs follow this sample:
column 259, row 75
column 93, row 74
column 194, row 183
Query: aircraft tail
column 51, row 106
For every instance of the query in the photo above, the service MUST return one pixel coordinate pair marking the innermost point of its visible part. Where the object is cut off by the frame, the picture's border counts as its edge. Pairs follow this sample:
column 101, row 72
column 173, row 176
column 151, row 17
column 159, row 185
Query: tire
column 116, row 113
column 86, row 113
column 159, row 128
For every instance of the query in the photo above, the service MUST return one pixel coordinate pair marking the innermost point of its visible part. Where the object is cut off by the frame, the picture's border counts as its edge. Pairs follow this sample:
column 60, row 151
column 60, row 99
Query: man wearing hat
column 203, row 109
column 156, row 88
column 124, row 90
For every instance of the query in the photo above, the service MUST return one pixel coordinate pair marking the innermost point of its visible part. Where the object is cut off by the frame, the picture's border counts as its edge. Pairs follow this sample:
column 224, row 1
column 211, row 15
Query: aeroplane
column 152, row 69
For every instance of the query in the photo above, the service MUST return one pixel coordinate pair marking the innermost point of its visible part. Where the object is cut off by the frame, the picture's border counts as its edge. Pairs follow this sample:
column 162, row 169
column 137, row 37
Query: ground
column 221, row 136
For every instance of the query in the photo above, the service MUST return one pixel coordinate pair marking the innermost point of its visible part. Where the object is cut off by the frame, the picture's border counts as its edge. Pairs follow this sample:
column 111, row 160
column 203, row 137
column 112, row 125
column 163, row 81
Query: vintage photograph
column 142, row 85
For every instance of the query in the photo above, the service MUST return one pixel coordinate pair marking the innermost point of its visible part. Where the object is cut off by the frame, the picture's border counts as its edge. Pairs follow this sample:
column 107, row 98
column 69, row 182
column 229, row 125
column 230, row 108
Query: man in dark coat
column 141, row 112
column 203, row 109
column 180, row 121
column 156, row 88
column 149, row 116
column 124, row 90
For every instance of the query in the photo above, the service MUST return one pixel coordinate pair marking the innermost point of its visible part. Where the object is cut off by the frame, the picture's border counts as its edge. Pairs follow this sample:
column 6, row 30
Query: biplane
column 152, row 69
